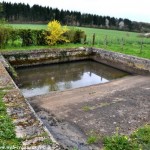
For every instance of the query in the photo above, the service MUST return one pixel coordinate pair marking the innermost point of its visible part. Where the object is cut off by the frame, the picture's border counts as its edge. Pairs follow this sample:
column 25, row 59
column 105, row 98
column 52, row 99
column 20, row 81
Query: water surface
column 58, row 77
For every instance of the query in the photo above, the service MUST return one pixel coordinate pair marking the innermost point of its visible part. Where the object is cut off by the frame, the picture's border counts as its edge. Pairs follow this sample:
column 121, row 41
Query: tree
column 1, row 10
column 56, row 33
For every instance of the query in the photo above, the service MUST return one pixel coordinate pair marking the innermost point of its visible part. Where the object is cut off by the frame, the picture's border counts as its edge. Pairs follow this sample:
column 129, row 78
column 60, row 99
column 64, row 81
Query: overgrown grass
column 138, row 140
column 112, row 40
column 8, row 139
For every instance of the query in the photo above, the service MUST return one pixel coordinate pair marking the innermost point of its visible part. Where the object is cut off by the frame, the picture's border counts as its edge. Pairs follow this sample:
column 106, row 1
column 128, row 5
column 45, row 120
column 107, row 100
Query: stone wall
column 123, row 62
column 39, row 57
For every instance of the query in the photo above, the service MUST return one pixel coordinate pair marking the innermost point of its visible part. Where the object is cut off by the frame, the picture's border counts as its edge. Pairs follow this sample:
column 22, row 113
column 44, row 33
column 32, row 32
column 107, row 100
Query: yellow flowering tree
column 56, row 33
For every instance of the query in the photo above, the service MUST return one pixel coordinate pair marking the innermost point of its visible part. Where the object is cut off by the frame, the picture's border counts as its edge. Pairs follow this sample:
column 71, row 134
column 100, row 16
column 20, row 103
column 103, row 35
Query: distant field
column 120, row 41
column 28, row 26
column 112, row 35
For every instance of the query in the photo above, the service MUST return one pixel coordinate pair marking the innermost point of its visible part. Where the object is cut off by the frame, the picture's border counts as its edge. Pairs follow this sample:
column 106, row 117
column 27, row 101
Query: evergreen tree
column 23, row 13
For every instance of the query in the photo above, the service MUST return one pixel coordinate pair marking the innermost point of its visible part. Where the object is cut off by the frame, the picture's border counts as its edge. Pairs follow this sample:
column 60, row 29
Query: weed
column 104, row 104
column 138, row 140
column 8, row 137
column 142, row 137
column 86, row 108
column 93, row 138
column 48, row 141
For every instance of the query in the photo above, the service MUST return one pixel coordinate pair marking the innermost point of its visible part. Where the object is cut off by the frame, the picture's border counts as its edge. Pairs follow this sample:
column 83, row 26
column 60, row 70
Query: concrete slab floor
column 100, row 109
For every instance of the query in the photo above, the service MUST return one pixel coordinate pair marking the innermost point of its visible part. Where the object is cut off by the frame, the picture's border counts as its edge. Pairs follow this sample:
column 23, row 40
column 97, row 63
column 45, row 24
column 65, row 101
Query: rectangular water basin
column 40, row 80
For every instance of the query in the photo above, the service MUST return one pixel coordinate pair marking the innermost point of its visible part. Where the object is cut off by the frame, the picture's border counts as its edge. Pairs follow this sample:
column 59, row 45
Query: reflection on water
column 43, row 79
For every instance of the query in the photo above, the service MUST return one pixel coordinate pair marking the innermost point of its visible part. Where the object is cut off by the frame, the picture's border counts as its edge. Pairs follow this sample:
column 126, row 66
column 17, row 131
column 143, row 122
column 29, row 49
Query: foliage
column 23, row 13
column 40, row 37
column 142, row 137
column 86, row 108
column 4, row 34
column 8, row 137
column 26, row 36
column 119, row 142
column 138, row 140
column 75, row 35
column 56, row 33
column 14, row 35
column 1, row 10
column 131, row 44
column 93, row 138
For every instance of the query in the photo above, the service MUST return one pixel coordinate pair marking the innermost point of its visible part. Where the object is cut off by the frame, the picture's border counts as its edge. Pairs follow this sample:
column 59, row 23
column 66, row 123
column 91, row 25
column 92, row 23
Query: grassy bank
column 112, row 40
column 8, row 139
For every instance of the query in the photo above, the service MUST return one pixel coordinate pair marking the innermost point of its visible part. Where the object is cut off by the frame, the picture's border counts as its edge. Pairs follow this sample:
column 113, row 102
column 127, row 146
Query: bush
column 41, row 37
column 4, row 34
column 56, row 33
column 27, row 37
column 14, row 35
column 75, row 36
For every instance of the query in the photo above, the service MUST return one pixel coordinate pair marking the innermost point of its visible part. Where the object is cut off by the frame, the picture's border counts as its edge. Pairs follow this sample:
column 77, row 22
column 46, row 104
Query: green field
column 120, row 41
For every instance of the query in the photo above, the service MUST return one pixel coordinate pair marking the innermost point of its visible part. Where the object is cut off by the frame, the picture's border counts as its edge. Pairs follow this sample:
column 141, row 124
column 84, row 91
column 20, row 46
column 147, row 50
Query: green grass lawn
column 112, row 40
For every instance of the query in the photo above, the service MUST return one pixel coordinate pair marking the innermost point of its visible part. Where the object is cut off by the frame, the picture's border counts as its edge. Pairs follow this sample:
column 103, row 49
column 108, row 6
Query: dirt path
column 122, row 103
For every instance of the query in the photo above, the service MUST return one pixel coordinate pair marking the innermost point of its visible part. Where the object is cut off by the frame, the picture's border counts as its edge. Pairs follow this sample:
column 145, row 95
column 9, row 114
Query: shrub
column 75, row 36
column 56, row 33
column 14, row 35
column 78, row 36
column 4, row 34
column 40, row 37
column 27, row 37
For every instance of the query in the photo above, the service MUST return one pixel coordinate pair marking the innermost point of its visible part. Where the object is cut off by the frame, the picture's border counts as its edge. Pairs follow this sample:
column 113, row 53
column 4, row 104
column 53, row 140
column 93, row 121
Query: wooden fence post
column 141, row 47
column 93, row 42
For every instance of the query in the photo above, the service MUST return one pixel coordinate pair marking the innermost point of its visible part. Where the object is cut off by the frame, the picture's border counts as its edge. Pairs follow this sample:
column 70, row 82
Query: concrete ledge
column 40, row 57
column 123, row 62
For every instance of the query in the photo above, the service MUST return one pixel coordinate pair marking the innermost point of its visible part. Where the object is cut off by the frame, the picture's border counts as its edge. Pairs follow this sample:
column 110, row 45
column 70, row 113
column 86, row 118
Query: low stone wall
column 39, row 57
column 123, row 62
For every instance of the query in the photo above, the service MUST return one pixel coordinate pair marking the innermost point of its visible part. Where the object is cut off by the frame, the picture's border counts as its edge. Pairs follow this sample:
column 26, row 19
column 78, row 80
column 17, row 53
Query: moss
column 13, row 72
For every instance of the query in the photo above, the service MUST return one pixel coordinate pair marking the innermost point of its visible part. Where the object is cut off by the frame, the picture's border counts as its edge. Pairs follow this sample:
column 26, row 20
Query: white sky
column 135, row 10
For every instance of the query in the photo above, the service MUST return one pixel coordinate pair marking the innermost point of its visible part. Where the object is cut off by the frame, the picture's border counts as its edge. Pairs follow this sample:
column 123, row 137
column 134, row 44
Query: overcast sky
column 135, row 10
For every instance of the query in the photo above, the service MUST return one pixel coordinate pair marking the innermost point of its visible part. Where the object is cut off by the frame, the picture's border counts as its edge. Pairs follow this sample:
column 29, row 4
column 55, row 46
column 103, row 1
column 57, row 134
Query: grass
column 112, row 40
column 8, row 139
column 29, row 26
column 93, row 138
column 86, row 108
column 138, row 140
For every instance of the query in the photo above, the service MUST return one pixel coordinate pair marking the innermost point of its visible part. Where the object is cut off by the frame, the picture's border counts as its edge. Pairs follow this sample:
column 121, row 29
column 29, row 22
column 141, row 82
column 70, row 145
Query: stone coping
column 120, row 61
